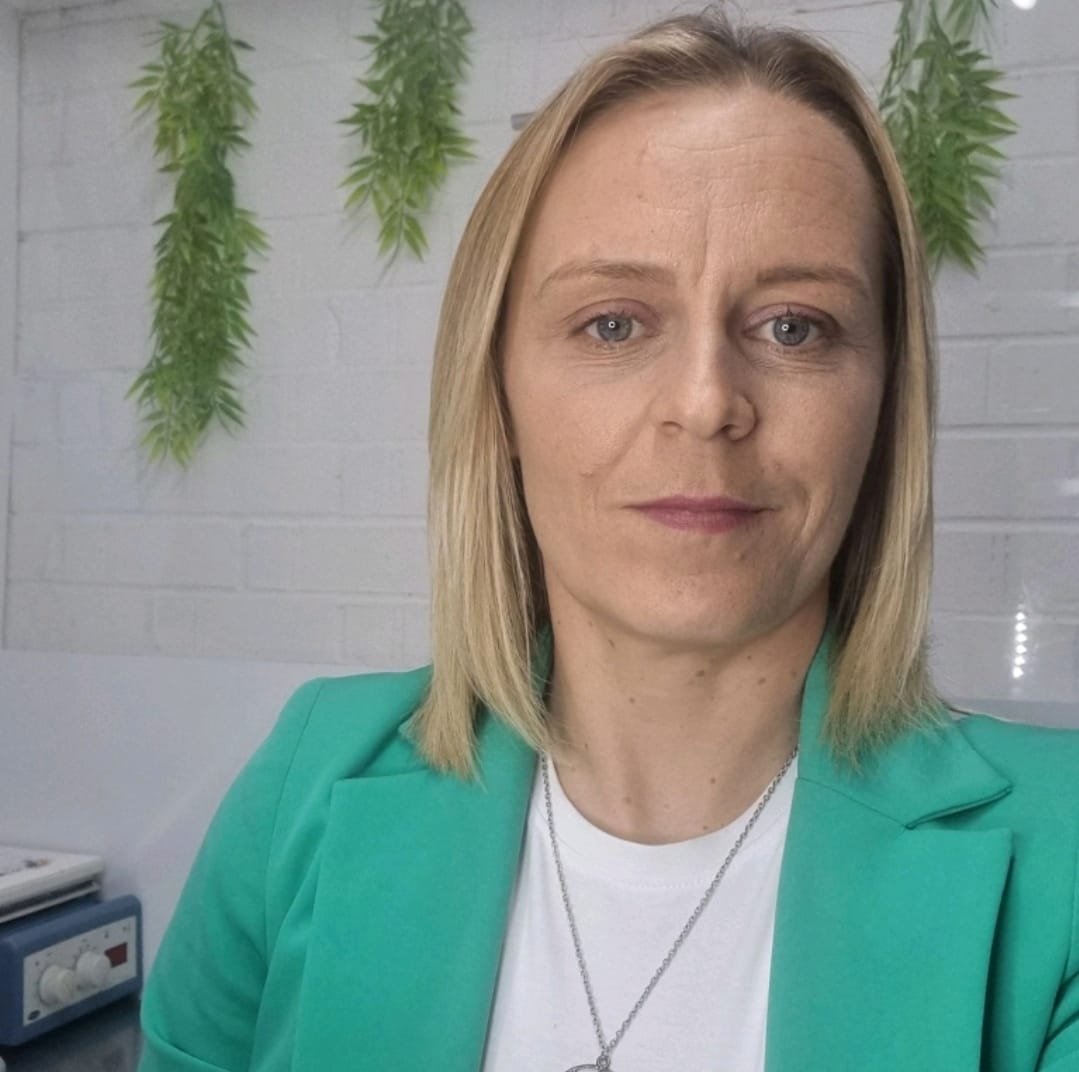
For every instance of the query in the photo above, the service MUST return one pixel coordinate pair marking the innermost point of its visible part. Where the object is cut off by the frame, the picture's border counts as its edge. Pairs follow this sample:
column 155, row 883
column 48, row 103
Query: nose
column 707, row 389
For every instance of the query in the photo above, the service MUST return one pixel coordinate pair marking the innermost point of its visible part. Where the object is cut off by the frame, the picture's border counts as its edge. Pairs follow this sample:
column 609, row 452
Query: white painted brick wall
column 103, row 618
column 273, row 626
column 9, row 170
column 302, row 539
column 1007, row 490
column 989, row 474
column 1024, row 380
column 365, row 558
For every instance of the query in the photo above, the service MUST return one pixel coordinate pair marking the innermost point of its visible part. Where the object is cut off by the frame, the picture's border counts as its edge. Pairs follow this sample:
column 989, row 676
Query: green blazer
column 348, row 906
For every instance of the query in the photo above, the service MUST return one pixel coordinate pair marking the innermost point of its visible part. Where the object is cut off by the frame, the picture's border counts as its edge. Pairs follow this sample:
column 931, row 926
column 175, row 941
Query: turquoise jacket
column 348, row 906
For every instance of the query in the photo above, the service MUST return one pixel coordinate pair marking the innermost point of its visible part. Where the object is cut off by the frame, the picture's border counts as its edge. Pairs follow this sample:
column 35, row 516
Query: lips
column 714, row 514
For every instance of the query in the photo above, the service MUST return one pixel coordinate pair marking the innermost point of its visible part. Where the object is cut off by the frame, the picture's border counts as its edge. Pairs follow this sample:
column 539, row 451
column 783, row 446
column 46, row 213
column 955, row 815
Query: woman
column 680, row 511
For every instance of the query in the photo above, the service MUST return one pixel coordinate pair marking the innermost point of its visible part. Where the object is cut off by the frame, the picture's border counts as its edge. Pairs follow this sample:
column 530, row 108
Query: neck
column 659, row 745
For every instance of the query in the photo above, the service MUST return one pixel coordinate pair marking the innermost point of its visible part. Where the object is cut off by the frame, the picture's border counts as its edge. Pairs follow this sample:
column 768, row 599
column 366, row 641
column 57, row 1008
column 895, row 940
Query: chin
column 723, row 619
column 698, row 629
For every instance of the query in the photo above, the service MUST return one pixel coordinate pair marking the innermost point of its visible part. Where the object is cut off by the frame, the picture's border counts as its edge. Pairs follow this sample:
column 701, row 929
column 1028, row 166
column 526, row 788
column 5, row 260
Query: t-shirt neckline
column 586, row 849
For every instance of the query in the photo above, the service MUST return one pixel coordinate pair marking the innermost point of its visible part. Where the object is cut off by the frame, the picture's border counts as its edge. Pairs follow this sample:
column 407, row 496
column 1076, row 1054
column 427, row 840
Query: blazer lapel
column 884, row 927
column 415, row 880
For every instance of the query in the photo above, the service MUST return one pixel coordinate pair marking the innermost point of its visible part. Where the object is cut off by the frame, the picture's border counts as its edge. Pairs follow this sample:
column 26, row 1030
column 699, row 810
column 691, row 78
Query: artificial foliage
column 408, row 127
column 199, row 99
column 940, row 103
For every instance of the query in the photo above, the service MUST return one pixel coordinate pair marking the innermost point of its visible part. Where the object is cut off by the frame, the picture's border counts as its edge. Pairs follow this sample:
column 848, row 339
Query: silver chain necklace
column 603, row 1062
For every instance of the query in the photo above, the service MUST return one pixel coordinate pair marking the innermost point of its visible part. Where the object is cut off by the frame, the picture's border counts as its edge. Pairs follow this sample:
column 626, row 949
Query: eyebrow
column 815, row 273
column 647, row 272
column 638, row 271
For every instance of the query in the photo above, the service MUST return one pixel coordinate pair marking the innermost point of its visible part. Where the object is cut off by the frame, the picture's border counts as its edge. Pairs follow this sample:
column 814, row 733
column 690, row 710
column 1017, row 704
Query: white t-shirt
column 631, row 901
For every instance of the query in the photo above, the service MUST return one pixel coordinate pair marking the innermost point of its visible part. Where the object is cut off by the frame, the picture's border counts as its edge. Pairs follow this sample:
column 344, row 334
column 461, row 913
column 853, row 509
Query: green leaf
column 199, row 97
column 939, row 102
column 408, row 127
column 145, row 100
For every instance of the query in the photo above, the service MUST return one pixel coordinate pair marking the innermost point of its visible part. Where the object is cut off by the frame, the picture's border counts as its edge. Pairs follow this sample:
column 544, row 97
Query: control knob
column 57, row 985
column 92, row 970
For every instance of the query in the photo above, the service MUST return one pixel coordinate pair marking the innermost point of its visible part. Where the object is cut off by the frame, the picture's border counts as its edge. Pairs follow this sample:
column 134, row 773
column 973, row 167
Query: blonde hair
column 488, row 600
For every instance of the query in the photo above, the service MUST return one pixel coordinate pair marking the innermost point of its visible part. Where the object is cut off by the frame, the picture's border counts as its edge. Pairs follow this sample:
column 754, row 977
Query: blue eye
column 792, row 329
column 611, row 327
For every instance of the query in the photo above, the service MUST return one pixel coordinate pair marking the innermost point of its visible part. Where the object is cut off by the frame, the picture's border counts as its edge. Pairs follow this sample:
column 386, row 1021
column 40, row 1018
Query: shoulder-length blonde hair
column 488, row 598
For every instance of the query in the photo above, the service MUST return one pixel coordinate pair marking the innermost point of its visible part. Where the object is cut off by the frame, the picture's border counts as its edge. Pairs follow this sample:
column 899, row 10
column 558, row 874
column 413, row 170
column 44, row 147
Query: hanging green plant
column 199, row 99
column 408, row 129
column 939, row 101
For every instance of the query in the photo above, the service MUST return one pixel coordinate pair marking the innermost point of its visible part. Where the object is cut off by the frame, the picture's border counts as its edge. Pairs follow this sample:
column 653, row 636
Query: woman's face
column 695, row 314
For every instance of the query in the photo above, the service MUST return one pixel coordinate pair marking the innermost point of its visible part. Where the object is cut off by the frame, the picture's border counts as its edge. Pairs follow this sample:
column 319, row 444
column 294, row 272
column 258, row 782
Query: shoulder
column 1022, row 751
column 340, row 725
column 357, row 711
column 1042, row 765
column 329, row 729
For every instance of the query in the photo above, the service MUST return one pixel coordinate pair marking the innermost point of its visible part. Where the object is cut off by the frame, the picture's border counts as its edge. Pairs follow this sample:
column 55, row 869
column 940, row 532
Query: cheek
column 840, row 439
column 814, row 439
column 563, row 433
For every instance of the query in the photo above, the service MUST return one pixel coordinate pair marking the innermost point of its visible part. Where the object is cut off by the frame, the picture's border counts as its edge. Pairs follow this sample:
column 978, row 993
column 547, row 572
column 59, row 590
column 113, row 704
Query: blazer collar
column 923, row 774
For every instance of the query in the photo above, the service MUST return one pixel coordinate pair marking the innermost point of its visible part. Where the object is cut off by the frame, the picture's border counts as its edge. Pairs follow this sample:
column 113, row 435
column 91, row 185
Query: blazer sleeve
column 1061, row 1052
column 201, row 1001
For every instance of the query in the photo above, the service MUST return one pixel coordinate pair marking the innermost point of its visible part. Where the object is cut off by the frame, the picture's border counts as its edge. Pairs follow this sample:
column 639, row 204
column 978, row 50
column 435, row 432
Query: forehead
column 710, row 178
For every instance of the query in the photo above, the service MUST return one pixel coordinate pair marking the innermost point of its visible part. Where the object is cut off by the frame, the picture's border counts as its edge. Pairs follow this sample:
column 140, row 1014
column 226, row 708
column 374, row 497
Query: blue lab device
column 63, row 962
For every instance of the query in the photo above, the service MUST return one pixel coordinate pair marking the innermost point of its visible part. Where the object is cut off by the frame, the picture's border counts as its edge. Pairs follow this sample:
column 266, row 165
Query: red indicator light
column 117, row 955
